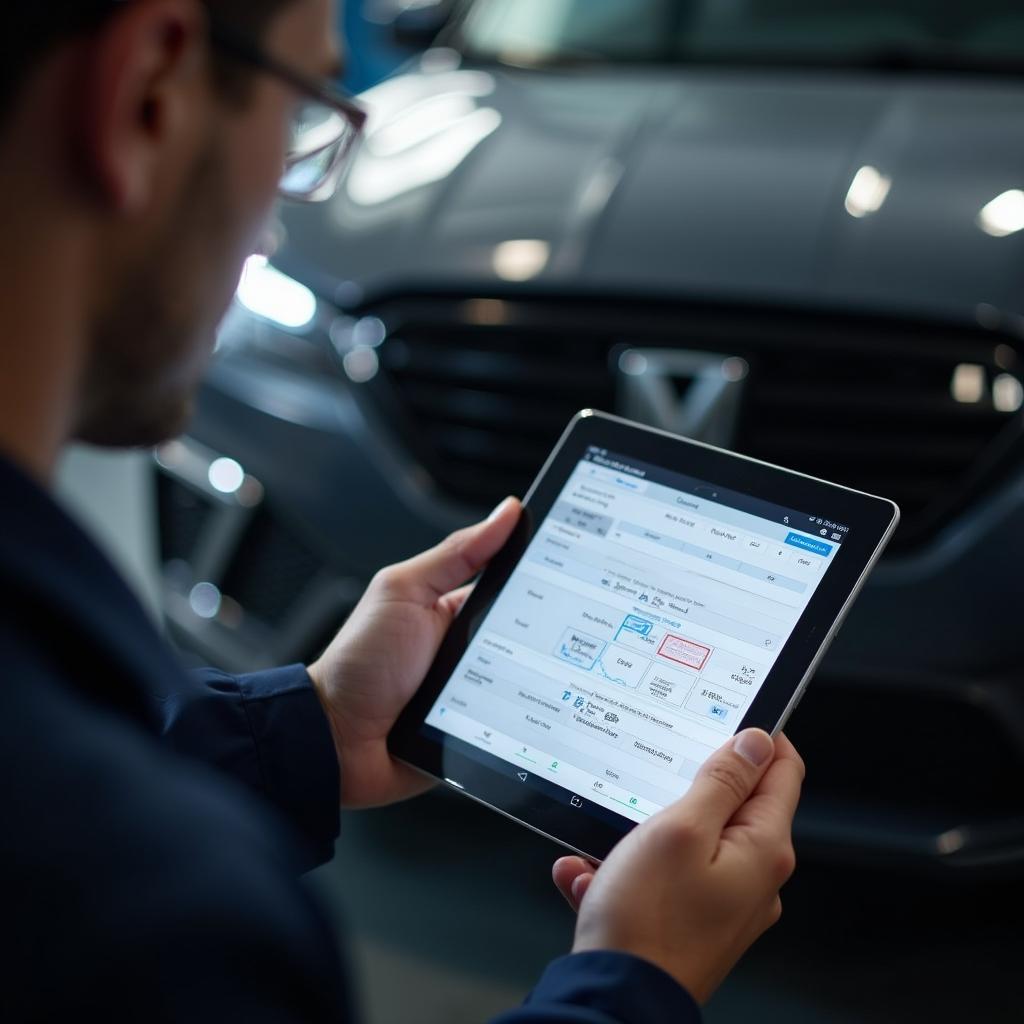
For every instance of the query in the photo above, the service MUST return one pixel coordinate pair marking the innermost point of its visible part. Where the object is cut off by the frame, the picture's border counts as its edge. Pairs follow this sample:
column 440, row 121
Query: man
column 155, row 823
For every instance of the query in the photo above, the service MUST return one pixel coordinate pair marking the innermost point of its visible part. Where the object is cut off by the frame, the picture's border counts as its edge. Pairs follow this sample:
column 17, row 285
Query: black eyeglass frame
column 238, row 47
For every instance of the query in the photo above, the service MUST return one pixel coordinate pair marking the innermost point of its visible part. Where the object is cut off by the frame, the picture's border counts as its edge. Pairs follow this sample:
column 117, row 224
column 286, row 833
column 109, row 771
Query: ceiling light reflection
column 868, row 191
column 520, row 259
column 1004, row 215
column 393, row 97
column 375, row 179
column 968, row 384
column 419, row 123
column 421, row 128
column 1007, row 393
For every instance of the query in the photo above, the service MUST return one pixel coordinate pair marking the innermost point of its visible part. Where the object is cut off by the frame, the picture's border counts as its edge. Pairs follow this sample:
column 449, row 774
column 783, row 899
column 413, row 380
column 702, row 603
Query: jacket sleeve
column 268, row 731
column 604, row 987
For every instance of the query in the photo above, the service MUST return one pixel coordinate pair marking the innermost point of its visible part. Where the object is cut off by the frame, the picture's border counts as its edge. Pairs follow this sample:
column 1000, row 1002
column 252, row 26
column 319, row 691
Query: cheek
column 257, row 161
column 269, row 146
column 238, row 200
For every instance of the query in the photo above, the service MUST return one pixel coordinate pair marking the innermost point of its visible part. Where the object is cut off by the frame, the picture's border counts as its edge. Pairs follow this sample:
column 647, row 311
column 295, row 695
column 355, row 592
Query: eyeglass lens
column 320, row 139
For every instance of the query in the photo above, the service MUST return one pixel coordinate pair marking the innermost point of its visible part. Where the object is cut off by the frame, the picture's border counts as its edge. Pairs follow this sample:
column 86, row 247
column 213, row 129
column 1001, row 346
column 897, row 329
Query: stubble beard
column 150, row 348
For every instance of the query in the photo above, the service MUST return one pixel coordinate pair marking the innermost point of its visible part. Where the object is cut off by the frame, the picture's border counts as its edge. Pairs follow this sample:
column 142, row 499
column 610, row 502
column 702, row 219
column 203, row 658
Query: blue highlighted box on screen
column 816, row 547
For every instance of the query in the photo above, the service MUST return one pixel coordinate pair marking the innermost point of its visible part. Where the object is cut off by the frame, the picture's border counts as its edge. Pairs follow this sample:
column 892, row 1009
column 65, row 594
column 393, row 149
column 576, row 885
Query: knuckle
column 775, row 912
column 678, row 831
column 453, row 547
column 454, row 541
column 785, row 863
column 387, row 580
column 731, row 777
column 384, row 577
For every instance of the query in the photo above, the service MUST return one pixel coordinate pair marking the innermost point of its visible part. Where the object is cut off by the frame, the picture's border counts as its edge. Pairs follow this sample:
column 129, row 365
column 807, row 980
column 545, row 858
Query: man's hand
column 378, row 660
column 692, row 888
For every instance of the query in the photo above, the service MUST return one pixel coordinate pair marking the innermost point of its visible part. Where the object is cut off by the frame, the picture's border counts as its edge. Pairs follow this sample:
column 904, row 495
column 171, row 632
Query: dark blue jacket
column 155, row 823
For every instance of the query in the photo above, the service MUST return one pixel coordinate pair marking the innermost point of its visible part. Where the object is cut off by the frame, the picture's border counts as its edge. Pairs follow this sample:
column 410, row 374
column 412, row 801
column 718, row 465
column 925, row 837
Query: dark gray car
column 789, row 227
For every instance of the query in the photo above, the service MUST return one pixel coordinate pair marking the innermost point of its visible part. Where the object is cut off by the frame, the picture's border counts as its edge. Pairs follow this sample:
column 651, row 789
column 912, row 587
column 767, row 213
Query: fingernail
column 754, row 745
column 501, row 506
column 577, row 888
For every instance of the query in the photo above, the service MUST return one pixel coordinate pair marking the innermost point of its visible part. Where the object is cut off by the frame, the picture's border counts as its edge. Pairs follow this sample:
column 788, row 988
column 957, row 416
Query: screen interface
column 634, row 633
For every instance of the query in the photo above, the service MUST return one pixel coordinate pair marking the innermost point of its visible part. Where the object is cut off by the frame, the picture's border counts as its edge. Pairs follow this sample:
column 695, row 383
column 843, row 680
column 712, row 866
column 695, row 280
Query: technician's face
column 154, row 341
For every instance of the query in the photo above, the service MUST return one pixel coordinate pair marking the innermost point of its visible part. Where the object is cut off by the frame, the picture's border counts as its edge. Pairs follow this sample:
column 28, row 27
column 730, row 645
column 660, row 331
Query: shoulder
column 130, row 872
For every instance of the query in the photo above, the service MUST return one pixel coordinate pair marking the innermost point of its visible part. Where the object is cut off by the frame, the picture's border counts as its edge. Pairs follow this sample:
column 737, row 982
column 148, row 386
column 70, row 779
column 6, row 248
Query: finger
column 727, row 779
column 580, row 887
column 461, row 555
column 569, row 874
column 768, row 814
column 778, row 793
column 452, row 602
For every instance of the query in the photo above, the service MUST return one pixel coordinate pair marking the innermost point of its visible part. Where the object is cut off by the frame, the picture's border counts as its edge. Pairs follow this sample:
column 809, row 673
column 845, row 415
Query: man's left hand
column 381, row 655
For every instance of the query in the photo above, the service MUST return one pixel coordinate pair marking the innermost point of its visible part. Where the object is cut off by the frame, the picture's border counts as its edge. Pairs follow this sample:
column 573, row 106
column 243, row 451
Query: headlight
column 274, row 296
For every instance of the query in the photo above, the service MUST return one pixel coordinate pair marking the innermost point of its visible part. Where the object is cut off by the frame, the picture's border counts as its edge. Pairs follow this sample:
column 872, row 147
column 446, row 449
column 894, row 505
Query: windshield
column 926, row 32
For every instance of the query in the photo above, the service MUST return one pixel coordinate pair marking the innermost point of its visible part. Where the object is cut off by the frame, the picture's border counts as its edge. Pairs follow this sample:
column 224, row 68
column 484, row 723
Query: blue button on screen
column 817, row 547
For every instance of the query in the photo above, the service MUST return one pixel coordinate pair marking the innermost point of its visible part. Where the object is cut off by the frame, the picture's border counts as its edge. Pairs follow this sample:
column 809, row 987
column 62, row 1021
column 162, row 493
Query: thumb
column 572, row 877
column 462, row 554
column 729, row 777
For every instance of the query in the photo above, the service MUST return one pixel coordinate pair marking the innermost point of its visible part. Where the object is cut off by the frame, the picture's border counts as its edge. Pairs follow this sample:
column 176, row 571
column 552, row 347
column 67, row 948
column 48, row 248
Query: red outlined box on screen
column 684, row 652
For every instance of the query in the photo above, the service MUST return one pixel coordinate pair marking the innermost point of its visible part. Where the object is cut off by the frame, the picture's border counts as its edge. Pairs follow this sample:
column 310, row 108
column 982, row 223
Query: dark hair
column 31, row 29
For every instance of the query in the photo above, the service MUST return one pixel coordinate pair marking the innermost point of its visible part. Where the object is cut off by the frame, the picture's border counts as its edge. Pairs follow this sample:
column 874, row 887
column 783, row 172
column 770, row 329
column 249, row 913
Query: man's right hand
column 692, row 888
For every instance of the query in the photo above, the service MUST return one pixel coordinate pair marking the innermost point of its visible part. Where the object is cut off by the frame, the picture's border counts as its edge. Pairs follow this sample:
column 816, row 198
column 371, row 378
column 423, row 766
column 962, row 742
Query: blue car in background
column 789, row 227
column 371, row 51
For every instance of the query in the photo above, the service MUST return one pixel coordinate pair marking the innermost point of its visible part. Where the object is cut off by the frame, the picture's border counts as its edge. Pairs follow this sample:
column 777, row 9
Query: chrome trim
column 710, row 407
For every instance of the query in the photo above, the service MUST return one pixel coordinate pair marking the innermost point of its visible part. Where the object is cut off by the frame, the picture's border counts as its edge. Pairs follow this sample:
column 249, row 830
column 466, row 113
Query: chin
column 134, row 426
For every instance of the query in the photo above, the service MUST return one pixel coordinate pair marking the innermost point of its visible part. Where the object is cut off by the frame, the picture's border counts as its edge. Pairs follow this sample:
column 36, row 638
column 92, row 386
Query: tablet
column 657, row 596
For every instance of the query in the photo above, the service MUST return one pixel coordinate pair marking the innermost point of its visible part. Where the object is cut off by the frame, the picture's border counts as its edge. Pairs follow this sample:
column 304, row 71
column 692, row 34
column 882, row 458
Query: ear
column 139, row 100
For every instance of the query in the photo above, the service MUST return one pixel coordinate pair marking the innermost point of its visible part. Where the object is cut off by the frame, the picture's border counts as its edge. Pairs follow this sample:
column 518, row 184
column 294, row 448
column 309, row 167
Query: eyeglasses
column 323, row 130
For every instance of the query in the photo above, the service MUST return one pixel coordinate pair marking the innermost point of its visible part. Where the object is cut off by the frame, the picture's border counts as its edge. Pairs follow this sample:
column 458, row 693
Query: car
column 789, row 228
column 381, row 35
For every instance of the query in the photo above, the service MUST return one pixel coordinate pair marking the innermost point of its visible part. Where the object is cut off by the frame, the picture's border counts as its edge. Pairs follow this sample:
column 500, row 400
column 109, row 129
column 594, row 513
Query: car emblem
column 696, row 394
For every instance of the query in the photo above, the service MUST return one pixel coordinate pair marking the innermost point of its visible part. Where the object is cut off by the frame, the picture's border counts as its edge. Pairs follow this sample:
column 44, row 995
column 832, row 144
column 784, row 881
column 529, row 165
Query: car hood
column 703, row 182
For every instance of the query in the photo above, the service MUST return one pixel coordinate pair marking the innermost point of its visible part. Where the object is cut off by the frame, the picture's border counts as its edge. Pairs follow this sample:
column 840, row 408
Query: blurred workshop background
column 789, row 227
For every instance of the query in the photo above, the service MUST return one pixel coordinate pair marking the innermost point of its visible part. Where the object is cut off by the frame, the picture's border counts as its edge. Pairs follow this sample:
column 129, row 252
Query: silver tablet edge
column 457, row 787
column 839, row 619
column 589, row 413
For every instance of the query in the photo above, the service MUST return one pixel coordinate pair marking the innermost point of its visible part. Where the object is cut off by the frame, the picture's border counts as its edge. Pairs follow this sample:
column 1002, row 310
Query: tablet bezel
column 535, row 801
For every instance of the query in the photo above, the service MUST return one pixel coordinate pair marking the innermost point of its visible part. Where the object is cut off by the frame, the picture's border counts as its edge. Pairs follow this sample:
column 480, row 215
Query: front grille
column 492, row 404
column 485, row 386
column 271, row 568
column 182, row 513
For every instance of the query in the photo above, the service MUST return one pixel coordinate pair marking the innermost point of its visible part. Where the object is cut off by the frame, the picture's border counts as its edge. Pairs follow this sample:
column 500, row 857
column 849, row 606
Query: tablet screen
column 635, row 632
